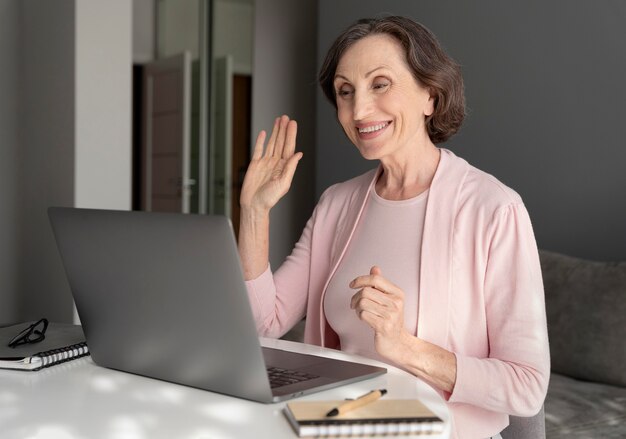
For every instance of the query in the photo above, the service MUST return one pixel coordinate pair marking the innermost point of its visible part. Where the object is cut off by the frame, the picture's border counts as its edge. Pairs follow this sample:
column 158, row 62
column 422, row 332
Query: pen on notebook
column 356, row 403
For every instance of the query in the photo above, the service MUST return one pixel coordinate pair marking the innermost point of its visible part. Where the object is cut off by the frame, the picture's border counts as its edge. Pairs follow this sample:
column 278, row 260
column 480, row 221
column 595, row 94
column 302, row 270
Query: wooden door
column 166, row 183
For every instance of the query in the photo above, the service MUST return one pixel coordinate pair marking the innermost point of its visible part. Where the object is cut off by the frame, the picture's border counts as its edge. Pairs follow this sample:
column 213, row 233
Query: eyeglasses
column 33, row 334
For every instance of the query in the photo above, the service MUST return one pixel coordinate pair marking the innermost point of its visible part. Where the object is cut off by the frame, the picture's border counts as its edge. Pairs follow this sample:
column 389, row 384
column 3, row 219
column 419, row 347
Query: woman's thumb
column 376, row 270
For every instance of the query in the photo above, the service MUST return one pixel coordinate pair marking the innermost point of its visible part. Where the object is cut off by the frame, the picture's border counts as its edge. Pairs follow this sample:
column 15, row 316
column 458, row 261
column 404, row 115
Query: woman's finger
column 269, row 151
column 367, row 305
column 280, row 138
column 373, row 320
column 372, row 296
column 290, row 141
column 290, row 169
column 375, row 281
column 258, row 146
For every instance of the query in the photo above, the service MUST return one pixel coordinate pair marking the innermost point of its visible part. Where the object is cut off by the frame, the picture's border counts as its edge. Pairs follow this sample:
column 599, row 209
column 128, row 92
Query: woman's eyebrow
column 375, row 69
column 340, row 76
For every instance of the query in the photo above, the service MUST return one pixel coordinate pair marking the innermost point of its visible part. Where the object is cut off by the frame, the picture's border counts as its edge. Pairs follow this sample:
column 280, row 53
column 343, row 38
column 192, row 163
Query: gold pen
column 356, row 403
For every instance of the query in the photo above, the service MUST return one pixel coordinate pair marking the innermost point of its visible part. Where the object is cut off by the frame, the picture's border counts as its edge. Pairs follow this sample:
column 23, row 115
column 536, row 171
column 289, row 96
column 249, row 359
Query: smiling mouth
column 373, row 128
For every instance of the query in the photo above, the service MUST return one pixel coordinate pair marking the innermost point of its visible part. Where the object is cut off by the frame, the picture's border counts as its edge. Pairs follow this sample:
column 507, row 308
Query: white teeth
column 373, row 128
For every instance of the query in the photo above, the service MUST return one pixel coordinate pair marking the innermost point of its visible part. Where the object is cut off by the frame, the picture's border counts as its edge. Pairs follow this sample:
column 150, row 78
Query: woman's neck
column 409, row 177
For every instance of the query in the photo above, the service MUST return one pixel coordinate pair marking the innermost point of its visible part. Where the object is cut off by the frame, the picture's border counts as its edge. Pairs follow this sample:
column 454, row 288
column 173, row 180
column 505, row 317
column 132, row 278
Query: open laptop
column 162, row 295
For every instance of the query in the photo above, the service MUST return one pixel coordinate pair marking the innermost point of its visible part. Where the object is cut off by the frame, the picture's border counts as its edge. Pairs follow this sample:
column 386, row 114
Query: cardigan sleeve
column 514, row 378
column 279, row 299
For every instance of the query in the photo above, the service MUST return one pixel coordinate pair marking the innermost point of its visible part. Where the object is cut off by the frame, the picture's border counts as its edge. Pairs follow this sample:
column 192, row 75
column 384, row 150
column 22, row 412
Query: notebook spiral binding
column 57, row 356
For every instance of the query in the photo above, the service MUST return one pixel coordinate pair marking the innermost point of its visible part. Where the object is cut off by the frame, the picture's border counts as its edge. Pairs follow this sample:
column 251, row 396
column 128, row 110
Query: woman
column 426, row 263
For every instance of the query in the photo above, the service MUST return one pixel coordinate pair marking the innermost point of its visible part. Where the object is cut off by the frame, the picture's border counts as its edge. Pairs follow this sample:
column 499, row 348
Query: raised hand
column 269, row 174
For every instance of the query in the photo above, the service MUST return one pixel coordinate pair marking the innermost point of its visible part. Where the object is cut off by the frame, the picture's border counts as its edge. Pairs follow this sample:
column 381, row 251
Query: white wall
column 9, row 20
column 103, row 61
column 283, row 82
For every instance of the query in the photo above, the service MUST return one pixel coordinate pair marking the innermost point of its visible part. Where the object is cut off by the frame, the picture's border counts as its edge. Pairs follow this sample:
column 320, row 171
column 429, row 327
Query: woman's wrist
column 253, row 213
column 427, row 361
column 253, row 241
column 407, row 351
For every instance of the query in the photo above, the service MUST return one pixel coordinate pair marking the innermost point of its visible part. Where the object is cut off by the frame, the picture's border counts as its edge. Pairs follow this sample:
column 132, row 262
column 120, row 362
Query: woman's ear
column 429, row 108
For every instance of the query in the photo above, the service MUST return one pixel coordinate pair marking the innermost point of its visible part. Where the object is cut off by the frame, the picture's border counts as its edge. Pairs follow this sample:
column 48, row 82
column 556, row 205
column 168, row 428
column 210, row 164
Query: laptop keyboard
column 282, row 377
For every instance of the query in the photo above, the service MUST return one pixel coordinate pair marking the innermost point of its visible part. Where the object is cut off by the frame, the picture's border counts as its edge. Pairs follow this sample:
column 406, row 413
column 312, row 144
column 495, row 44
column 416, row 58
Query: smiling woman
column 433, row 69
column 426, row 263
column 381, row 107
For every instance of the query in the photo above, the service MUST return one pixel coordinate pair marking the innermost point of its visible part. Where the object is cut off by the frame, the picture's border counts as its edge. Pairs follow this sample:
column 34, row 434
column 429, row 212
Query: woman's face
column 380, row 105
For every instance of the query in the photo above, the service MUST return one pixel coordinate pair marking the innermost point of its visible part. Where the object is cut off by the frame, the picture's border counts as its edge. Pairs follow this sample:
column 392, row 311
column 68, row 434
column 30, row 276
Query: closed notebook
column 63, row 342
column 381, row 417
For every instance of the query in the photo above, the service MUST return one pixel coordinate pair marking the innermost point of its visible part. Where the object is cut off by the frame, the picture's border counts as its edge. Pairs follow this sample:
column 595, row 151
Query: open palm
column 269, row 175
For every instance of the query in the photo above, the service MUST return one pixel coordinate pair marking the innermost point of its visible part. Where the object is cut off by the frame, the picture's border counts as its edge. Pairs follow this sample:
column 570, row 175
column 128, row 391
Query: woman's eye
column 381, row 85
column 343, row 92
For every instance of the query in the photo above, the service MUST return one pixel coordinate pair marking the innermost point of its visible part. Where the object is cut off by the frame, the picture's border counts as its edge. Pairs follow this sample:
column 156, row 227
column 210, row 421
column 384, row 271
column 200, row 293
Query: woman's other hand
column 380, row 304
column 269, row 174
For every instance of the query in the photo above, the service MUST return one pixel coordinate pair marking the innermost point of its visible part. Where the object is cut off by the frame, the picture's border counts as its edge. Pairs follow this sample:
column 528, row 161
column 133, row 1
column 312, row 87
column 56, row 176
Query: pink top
column 389, row 234
column 481, row 292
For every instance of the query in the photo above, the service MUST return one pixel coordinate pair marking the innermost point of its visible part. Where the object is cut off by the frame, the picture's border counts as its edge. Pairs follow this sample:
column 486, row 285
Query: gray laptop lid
column 162, row 295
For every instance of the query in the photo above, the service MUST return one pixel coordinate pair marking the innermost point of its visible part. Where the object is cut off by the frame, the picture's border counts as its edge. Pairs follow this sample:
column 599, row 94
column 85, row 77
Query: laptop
column 162, row 295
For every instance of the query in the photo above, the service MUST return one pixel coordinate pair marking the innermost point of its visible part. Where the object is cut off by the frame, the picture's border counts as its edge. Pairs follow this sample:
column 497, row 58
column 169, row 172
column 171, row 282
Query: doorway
column 194, row 177
column 242, row 139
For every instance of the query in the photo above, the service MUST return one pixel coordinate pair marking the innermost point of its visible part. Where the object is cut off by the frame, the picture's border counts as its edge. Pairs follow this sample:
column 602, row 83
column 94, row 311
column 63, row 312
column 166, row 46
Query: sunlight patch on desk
column 171, row 394
column 166, row 394
column 148, row 420
column 125, row 427
column 208, row 433
column 104, row 384
column 52, row 431
column 230, row 412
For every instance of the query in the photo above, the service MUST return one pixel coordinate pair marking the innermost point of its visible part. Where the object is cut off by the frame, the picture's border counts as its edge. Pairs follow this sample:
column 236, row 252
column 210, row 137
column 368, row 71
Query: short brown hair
column 430, row 65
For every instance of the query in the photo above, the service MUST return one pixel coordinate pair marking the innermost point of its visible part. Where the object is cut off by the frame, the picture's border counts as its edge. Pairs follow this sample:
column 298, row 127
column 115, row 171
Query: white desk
column 79, row 400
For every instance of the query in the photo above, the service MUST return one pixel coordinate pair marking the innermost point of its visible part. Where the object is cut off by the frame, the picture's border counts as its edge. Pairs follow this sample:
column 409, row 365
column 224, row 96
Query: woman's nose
column 363, row 106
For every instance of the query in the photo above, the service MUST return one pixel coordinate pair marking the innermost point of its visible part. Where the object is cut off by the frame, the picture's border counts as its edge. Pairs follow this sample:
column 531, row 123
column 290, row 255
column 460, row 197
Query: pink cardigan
column 480, row 295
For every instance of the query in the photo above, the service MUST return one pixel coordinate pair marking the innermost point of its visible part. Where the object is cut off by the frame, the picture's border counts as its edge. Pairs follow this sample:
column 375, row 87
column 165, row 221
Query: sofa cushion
column 577, row 409
column 586, row 311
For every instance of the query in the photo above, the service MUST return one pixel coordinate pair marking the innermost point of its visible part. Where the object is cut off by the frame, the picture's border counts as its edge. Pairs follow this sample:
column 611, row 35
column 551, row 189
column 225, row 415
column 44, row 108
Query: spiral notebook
column 63, row 342
column 380, row 418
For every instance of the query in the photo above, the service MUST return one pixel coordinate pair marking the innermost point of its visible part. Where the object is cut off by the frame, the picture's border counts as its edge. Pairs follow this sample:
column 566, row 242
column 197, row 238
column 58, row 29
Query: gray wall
column 144, row 28
column 283, row 82
column 64, row 137
column 46, row 159
column 545, row 91
column 9, row 16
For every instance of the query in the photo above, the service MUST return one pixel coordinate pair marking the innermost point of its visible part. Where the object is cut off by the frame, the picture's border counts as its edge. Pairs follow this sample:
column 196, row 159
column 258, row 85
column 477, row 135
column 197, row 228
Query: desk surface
column 81, row 400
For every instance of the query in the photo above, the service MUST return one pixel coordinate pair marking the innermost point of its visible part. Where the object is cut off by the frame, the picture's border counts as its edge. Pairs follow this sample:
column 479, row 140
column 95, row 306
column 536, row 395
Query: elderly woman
column 426, row 262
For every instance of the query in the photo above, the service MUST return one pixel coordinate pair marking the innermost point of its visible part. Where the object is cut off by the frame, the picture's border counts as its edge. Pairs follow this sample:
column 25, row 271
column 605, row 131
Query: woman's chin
column 371, row 152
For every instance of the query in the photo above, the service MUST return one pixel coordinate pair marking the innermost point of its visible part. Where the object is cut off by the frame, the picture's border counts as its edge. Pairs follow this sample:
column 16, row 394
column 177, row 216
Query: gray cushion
column 577, row 409
column 533, row 427
column 296, row 333
column 586, row 309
